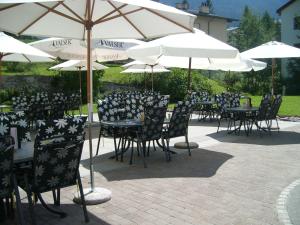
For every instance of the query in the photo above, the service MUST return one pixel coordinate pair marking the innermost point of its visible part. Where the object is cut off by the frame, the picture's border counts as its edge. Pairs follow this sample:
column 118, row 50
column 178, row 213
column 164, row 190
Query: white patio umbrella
column 182, row 48
column 102, row 49
column 237, row 65
column 14, row 50
column 272, row 50
column 86, row 19
column 140, row 67
column 77, row 65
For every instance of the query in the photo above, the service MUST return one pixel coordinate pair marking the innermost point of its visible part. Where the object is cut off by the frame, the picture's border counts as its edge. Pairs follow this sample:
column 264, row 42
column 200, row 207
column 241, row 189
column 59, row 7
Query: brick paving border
column 282, row 203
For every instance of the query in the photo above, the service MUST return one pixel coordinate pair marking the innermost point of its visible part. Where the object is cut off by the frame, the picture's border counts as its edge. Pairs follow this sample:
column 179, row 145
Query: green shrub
column 69, row 82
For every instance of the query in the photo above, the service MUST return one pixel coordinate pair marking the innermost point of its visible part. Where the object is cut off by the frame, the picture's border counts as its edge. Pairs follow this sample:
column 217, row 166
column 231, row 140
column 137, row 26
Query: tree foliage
column 255, row 30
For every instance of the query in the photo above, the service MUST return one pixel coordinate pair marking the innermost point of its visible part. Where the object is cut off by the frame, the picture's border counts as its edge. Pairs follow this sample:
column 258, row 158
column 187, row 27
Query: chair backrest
column 222, row 102
column 59, row 130
column 6, row 166
column 264, row 107
column 58, row 105
column 133, row 107
column 234, row 99
column 179, row 120
column 153, row 123
column 73, row 101
column 21, row 102
column 55, row 165
column 108, row 110
column 18, row 120
column 275, row 107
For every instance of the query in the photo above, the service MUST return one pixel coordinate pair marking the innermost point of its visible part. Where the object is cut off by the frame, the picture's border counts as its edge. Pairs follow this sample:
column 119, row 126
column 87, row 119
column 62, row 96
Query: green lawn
column 290, row 105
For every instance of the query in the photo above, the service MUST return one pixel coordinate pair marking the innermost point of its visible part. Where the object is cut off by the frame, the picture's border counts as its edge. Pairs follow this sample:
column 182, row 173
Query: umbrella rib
column 10, row 6
column 116, row 16
column 108, row 14
column 93, row 7
column 168, row 19
column 60, row 13
column 37, row 19
column 74, row 13
column 26, row 58
column 128, row 20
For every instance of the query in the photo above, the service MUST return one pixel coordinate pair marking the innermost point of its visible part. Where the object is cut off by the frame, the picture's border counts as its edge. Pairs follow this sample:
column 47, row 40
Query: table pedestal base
column 97, row 196
column 183, row 145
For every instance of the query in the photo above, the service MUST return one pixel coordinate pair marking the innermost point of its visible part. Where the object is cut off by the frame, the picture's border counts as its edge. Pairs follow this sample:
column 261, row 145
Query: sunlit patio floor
column 229, row 180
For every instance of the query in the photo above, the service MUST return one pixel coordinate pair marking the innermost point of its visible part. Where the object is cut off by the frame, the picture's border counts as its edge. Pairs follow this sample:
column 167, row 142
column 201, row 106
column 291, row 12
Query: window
column 297, row 23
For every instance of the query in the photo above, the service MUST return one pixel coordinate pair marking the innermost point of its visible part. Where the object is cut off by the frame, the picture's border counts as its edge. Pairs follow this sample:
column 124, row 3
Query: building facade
column 290, row 28
column 214, row 25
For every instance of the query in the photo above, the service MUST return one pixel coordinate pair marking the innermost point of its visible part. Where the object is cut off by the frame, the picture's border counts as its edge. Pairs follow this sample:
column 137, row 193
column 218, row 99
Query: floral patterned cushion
column 59, row 130
column 18, row 120
column 6, row 167
column 179, row 120
column 56, row 165
column 153, row 123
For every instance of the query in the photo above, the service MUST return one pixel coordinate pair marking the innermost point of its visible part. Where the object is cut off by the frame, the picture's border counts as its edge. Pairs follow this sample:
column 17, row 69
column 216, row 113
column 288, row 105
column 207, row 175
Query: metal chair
column 8, row 184
column 178, row 126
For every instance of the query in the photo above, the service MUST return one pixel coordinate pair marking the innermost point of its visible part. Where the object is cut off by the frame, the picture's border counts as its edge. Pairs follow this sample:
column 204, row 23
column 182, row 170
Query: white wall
column 213, row 26
column 288, row 34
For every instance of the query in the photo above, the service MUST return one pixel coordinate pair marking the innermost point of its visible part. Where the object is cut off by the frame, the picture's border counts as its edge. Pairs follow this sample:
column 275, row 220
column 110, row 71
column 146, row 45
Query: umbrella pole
column 189, row 75
column 80, row 90
column 152, row 76
column 145, row 81
column 1, row 55
column 92, row 195
column 273, row 78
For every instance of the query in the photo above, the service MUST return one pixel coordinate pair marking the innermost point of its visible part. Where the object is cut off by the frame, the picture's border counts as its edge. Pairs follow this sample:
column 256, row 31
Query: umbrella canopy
column 141, row 67
column 102, row 49
column 272, row 50
column 84, row 19
column 14, row 50
column 184, row 49
column 237, row 65
column 75, row 65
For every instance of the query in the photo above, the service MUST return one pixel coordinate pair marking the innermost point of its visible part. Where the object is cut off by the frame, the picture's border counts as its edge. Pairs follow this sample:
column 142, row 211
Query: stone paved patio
column 228, row 180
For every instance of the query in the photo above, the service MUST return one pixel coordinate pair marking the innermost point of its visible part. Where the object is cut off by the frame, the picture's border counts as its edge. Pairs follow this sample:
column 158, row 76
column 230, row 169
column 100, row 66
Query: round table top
column 122, row 123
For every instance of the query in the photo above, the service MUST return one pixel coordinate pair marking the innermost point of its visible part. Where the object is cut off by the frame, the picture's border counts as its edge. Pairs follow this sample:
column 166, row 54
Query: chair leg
column 144, row 153
column 131, row 153
column 29, row 196
column 86, row 217
column 18, row 202
column 277, row 124
column 98, row 144
column 168, row 149
column 219, row 124
column 148, row 149
column 164, row 149
column 153, row 142
column 188, row 144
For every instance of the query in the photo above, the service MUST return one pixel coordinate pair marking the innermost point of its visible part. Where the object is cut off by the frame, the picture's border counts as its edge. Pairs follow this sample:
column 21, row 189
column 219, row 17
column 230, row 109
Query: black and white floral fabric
column 59, row 130
column 133, row 108
column 18, row 120
column 108, row 110
column 179, row 120
column 21, row 102
column 55, row 165
column 6, row 166
column 153, row 123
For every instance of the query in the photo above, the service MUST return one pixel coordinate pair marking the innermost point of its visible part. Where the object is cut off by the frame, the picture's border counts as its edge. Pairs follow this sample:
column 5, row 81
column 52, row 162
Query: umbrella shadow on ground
column 258, row 138
column 42, row 216
column 202, row 163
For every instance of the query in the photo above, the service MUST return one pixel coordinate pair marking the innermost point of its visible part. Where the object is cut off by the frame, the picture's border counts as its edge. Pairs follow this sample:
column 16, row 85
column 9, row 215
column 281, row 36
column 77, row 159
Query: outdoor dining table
column 122, row 127
column 243, row 113
column 207, row 108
